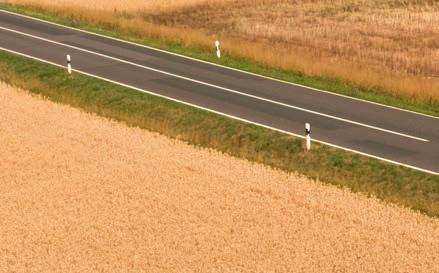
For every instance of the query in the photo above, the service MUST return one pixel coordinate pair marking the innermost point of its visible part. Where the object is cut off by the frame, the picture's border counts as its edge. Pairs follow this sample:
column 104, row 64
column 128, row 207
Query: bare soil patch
column 80, row 193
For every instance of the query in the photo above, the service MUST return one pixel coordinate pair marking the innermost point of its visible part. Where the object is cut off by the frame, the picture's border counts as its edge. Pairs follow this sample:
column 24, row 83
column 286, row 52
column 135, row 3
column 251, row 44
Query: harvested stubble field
column 393, row 44
column 80, row 193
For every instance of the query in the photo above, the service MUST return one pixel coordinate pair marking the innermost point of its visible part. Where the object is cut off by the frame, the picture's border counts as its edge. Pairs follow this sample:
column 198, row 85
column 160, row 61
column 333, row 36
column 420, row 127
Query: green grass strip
column 388, row 182
column 374, row 94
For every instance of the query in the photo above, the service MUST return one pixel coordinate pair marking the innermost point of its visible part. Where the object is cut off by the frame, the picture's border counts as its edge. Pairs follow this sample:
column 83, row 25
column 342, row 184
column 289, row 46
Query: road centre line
column 218, row 87
column 226, row 115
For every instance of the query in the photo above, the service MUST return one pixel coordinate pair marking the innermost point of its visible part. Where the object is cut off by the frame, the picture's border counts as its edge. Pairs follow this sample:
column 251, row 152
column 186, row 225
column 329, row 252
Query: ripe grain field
column 80, row 193
column 392, row 44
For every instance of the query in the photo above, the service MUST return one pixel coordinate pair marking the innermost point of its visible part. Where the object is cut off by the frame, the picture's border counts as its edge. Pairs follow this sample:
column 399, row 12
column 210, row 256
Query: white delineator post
column 308, row 136
column 69, row 64
column 218, row 51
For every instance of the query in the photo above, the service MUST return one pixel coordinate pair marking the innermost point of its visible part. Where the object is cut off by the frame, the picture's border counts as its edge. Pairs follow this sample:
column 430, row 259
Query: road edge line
column 222, row 66
column 217, row 86
column 229, row 116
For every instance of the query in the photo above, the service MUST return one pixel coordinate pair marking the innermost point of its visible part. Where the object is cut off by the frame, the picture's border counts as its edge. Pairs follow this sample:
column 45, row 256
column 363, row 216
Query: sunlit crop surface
column 81, row 193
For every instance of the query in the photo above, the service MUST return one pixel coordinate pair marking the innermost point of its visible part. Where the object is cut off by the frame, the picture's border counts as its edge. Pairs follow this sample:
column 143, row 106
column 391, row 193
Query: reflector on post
column 308, row 136
column 218, row 51
column 69, row 64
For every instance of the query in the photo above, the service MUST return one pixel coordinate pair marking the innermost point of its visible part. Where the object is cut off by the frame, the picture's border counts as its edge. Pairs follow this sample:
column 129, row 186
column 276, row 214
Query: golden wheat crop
column 80, row 193
column 392, row 44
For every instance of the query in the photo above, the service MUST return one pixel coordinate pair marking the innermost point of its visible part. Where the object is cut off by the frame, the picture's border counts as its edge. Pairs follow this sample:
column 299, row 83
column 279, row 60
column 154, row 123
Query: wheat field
column 393, row 44
column 80, row 193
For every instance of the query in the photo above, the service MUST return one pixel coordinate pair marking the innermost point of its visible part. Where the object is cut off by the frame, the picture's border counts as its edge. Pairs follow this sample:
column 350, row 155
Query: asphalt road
column 391, row 134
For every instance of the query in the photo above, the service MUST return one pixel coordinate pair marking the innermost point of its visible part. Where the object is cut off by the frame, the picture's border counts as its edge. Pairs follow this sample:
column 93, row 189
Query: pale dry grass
column 389, row 43
column 80, row 193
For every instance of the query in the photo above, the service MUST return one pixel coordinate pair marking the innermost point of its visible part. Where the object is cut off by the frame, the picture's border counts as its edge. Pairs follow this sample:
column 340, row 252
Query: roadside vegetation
column 388, row 182
column 383, row 51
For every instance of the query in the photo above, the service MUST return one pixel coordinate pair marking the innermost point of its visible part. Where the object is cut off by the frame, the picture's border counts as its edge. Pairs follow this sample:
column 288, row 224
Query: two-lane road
column 391, row 134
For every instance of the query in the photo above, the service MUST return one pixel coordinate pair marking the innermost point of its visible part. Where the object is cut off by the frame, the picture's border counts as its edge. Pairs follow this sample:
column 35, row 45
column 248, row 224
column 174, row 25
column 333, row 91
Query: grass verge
column 388, row 182
column 428, row 106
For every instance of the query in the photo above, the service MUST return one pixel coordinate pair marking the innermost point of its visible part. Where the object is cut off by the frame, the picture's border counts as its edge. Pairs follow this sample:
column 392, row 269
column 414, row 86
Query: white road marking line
column 219, row 87
column 226, row 115
column 219, row 65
